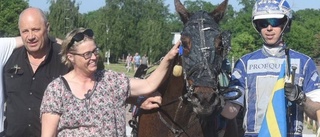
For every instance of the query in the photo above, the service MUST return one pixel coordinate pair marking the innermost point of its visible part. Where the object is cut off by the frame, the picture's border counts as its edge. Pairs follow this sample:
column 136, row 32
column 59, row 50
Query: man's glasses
column 80, row 36
column 264, row 23
column 87, row 55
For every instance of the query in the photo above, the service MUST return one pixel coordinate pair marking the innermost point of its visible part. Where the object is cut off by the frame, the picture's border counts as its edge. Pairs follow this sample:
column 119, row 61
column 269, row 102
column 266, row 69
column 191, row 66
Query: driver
column 256, row 73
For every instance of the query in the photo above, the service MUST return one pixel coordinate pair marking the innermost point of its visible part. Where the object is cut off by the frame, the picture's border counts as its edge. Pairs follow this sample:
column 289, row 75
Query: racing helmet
column 267, row 9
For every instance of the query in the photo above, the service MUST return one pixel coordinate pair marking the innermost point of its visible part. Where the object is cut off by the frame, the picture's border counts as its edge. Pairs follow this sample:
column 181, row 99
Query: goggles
column 80, row 36
column 264, row 23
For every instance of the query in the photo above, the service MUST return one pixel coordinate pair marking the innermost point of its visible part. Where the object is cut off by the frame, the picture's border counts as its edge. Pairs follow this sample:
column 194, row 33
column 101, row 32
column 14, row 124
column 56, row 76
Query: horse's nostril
column 199, row 96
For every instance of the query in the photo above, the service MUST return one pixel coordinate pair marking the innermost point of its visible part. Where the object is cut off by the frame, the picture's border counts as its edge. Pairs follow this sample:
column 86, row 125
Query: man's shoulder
column 55, row 45
column 18, row 51
column 297, row 53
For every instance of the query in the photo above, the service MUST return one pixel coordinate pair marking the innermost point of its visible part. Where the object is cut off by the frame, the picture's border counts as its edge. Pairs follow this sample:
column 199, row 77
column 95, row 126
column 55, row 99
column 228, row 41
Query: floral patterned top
column 101, row 113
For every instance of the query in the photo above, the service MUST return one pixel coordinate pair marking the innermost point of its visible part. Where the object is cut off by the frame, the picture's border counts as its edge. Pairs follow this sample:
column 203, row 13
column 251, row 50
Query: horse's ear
column 184, row 14
column 218, row 13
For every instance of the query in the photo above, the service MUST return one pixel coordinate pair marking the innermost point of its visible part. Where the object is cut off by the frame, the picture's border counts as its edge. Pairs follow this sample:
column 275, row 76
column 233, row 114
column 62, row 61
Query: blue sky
column 90, row 5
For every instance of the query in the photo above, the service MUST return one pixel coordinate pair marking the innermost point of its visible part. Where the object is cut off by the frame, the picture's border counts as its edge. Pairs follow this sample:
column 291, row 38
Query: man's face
column 33, row 31
column 271, row 29
column 271, row 34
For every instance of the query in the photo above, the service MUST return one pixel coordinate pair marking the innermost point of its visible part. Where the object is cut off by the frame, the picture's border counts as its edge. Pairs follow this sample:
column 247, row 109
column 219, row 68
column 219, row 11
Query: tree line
column 145, row 26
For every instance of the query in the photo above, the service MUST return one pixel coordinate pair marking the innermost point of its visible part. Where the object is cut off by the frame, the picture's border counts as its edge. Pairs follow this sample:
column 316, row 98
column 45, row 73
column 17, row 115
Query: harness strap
column 173, row 130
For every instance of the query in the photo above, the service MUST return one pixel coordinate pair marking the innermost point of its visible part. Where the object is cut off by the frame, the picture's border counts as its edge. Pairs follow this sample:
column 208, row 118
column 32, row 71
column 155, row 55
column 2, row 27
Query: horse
column 193, row 99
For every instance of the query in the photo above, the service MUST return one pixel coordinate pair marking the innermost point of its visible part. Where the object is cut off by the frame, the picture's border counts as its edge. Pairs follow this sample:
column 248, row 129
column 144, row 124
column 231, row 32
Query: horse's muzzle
column 204, row 100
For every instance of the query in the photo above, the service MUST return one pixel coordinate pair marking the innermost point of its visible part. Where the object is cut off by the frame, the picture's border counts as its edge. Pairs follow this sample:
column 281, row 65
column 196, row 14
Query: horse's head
column 204, row 48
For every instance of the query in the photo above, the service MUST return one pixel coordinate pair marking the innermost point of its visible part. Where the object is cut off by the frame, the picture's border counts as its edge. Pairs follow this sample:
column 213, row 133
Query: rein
column 176, row 132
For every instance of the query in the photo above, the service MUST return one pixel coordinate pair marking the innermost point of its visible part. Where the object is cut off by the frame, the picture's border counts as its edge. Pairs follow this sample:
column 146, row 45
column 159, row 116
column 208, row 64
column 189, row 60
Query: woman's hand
column 173, row 52
column 152, row 102
column 141, row 87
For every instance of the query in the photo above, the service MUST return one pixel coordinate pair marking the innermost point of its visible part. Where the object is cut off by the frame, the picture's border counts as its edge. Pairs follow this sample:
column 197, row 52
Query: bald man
column 28, row 72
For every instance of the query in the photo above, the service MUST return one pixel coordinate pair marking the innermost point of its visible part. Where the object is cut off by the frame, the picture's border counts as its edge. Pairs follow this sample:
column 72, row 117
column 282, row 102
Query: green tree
column 244, row 38
column 63, row 17
column 242, row 44
column 247, row 5
column 115, row 28
column 174, row 23
column 145, row 26
column 156, row 34
column 97, row 21
column 9, row 16
column 304, row 33
column 135, row 26
column 197, row 5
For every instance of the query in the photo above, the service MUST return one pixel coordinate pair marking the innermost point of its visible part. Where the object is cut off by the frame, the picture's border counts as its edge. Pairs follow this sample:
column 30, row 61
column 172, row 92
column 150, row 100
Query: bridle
column 195, row 72
column 195, row 68
column 202, row 66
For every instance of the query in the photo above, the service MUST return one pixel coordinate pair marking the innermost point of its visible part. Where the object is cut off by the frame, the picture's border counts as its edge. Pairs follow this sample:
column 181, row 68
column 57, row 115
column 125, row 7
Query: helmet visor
column 264, row 23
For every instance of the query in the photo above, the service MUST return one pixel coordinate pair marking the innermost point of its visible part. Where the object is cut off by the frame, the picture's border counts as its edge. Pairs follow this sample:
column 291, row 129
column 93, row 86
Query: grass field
column 120, row 67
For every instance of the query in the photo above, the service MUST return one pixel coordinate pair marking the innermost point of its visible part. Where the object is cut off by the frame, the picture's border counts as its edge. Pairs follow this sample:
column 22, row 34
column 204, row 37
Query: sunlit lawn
column 120, row 67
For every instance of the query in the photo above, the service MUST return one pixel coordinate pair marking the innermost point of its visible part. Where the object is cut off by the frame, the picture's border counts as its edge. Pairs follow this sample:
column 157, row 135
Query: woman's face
column 86, row 57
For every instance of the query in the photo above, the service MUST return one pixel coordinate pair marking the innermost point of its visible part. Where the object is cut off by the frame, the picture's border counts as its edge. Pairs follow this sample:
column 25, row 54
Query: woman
column 88, row 102
column 128, row 62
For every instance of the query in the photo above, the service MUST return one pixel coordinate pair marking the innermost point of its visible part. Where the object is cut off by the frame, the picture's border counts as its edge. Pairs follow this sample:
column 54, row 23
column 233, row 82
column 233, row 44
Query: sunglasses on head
column 264, row 23
column 80, row 36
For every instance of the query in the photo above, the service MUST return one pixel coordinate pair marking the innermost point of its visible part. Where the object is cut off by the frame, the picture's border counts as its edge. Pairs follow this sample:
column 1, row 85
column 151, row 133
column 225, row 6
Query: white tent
column 176, row 37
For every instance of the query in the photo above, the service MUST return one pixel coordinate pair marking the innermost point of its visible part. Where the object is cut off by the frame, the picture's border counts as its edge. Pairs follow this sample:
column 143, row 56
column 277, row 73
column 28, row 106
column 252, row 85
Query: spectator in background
column 140, row 72
column 144, row 66
column 128, row 62
column 144, row 60
column 142, row 69
column 136, row 61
